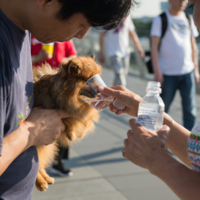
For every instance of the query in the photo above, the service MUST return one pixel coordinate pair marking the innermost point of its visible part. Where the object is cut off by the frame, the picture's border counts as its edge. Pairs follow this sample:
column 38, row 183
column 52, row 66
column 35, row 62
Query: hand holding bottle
column 146, row 148
column 151, row 108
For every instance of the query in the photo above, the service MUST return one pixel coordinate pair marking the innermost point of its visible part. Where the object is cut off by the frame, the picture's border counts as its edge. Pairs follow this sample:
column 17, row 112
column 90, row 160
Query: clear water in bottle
column 151, row 108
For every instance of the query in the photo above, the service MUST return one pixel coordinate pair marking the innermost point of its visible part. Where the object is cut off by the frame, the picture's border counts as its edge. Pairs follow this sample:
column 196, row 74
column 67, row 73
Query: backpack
column 164, row 24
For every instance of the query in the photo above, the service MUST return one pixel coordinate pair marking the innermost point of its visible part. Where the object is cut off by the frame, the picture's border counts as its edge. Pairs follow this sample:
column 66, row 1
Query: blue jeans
column 186, row 84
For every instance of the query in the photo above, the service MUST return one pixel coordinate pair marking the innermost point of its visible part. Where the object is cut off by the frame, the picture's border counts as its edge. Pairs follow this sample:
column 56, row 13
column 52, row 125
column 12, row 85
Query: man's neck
column 12, row 10
column 174, row 12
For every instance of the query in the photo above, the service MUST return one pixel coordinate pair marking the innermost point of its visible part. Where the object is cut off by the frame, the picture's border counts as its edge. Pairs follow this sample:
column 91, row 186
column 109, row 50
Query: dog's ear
column 73, row 68
column 92, row 56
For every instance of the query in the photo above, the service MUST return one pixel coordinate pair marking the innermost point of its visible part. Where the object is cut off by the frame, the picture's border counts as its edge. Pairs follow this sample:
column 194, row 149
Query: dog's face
column 61, row 90
column 77, row 71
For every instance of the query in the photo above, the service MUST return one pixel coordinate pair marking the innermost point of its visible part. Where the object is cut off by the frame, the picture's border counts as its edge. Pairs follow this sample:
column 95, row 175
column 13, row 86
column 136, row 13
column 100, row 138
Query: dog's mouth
column 87, row 93
column 89, row 90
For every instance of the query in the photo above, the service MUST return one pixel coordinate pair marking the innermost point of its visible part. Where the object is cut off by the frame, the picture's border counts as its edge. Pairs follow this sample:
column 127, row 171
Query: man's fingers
column 63, row 127
column 63, row 114
column 133, row 124
column 112, row 108
column 107, row 91
column 163, row 134
column 123, row 152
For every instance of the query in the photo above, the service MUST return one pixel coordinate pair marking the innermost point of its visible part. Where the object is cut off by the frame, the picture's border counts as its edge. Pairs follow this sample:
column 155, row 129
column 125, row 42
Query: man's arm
column 41, row 127
column 13, row 145
column 135, row 40
column 101, row 40
column 195, row 58
column 155, row 40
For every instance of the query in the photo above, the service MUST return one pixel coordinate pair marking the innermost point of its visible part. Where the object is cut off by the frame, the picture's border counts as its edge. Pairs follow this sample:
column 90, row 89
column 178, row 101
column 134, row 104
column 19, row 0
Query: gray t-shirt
column 16, row 101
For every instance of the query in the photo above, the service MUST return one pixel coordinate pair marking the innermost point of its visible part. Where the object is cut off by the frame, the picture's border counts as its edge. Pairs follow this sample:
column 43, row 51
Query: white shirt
column 175, row 54
column 117, row 40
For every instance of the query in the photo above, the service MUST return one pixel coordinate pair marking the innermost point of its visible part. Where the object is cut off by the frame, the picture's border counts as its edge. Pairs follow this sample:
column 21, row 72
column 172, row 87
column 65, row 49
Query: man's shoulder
column 3, row 47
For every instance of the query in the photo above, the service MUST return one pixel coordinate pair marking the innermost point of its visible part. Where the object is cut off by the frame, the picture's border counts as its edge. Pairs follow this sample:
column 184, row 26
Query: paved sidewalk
column 100, row 171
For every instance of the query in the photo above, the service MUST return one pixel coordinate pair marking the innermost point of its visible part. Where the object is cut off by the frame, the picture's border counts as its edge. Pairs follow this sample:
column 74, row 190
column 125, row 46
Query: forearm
column 178, row 139
column 195, row 55
column 13, row 145
column 184, row 182
column 135, row 40
column 101, row 42
column 154, row 57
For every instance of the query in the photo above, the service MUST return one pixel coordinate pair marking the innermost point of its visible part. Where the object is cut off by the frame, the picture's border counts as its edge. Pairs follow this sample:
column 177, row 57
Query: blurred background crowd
column 142, row 17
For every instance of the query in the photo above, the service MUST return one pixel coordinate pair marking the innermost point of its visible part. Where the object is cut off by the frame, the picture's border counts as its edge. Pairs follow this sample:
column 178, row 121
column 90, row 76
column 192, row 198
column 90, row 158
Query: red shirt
column 61, row 50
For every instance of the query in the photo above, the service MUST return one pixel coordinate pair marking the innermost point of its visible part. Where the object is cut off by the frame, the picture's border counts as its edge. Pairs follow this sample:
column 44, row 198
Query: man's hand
column 158, row 77
column 101, row 57
column 125, row 96
column 196, row 73
column 142, row 146
column 42, row 56
column 141, row 53
column 44, row 125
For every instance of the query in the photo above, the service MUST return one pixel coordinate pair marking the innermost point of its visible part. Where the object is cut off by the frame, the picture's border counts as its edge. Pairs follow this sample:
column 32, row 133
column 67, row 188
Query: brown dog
column 61, row 90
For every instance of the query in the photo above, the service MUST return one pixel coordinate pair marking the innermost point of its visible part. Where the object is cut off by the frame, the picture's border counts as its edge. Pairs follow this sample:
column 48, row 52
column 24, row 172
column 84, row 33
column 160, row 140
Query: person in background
column 175, row 60
column 62, row 52
column 117, row 48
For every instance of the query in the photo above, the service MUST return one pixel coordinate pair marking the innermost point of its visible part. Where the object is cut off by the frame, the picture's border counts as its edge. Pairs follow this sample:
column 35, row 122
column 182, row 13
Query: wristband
column 193, row 149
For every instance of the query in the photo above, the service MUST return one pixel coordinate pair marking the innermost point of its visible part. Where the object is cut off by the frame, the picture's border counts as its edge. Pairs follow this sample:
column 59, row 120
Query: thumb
column 163, row 134
column 107, row 91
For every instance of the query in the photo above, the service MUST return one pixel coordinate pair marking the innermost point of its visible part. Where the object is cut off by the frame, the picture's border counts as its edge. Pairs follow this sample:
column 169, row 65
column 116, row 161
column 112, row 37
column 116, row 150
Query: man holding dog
column 22, row 127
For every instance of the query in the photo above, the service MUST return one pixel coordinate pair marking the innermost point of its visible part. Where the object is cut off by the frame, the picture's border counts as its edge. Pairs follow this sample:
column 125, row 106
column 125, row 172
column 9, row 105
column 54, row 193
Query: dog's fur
column 61, row 90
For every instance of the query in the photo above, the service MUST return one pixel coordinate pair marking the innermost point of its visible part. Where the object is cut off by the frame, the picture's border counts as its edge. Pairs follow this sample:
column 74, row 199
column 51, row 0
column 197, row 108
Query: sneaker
column 61, row 170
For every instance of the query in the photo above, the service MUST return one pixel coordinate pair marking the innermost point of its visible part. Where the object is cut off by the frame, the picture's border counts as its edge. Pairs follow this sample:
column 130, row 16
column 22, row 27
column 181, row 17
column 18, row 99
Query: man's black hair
column 105, row 13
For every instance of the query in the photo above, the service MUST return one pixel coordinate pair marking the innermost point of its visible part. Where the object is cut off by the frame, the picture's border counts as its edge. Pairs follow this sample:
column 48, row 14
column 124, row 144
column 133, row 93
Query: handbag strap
column 164, row 25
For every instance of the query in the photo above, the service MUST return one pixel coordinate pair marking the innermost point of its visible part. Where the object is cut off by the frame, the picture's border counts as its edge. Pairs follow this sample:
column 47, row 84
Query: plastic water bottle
column 151, row 108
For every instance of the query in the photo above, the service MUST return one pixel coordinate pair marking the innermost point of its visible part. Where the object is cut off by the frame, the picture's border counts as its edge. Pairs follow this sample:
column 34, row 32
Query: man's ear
column 42, row 3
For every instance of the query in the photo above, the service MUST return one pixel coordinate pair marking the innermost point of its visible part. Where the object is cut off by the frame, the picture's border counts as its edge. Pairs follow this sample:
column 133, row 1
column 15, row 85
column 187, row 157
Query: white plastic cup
column 95, row 98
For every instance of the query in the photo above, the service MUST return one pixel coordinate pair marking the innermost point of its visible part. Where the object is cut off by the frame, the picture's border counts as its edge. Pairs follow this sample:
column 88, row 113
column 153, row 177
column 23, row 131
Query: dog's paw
column 50, row 180
column 42, row 186
column 72, row 136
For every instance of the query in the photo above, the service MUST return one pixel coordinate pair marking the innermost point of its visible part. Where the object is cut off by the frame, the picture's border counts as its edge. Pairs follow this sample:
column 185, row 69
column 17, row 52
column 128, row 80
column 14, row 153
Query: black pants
column 63, row 153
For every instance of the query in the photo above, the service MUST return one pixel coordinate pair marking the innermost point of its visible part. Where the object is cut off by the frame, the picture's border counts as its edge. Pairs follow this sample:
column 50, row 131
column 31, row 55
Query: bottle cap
column 154, row 86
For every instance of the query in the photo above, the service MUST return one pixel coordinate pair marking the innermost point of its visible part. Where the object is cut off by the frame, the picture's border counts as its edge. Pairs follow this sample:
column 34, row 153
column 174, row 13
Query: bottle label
column 148, row 114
